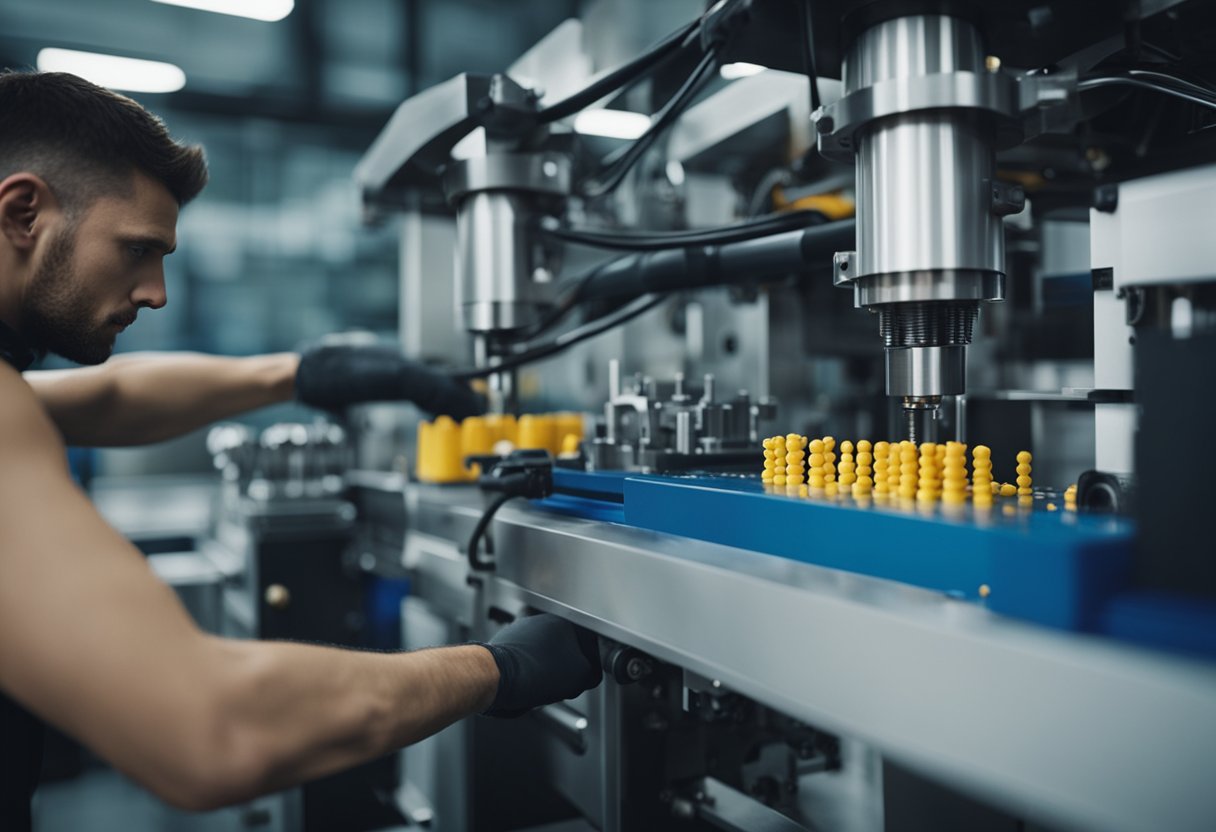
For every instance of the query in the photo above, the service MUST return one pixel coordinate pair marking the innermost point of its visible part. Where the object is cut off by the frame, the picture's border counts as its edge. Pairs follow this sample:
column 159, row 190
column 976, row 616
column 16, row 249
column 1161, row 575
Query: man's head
column 90, row 187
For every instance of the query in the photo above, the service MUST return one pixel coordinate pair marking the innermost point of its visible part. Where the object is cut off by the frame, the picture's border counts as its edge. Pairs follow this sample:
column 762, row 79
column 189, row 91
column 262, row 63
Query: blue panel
column 607, row 485
column 1054, row 568
column 608, row 512
column 1155, row 620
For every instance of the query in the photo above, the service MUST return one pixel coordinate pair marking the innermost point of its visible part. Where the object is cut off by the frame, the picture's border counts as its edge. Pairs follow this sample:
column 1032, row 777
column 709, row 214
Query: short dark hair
column 85, row 140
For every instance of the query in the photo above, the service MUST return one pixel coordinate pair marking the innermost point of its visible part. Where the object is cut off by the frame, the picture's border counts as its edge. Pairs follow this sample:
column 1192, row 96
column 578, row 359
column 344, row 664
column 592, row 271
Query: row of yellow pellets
column 442, row 445
column 928, row 472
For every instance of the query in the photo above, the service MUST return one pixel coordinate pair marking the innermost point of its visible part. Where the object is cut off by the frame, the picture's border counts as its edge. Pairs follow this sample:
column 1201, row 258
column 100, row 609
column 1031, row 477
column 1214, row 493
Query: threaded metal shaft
column 927, row 324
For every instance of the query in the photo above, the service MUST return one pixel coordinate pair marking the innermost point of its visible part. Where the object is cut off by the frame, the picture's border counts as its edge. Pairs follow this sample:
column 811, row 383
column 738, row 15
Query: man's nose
column 150, row 292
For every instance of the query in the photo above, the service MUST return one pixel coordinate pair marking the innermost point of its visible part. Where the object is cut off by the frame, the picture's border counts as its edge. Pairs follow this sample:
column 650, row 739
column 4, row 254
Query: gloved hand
column 542, row 659
column 334, row 376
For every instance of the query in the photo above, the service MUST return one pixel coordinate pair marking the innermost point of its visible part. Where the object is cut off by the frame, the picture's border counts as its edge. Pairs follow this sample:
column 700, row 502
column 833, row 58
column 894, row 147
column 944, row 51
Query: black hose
column 698, row 267
column 808, row 35
column 617, row 166
column 659, row 240
column 479, row 531
column 619, row 77
column 565, row 340
column 648, row 277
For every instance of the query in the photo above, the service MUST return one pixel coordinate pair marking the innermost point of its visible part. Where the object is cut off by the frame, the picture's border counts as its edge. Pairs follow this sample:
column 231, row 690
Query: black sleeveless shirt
column 20, row 731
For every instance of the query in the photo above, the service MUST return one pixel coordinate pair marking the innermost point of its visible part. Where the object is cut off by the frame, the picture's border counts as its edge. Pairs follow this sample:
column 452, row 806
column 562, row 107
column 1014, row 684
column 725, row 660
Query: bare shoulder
column 25, row 428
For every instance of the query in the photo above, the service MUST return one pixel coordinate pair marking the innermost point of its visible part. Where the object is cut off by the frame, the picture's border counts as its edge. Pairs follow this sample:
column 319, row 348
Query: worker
column 90, row 640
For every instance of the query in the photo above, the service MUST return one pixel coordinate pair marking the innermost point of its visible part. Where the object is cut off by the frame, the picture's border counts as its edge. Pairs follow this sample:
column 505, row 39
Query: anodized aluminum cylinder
column 923, row 177
column 494, row 262
column 926, row 371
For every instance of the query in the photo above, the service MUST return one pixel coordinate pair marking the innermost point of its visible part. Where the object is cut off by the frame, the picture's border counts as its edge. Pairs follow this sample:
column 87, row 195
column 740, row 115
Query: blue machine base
column 1055, row 568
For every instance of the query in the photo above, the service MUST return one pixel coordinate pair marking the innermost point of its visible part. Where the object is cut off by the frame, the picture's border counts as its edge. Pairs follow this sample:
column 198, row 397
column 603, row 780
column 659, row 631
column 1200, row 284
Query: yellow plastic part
column 476, row 438
column 1024, row 457
column 422, row 456
column 567, row 423
column 535, row 432
column 439, row 458
column 817, row 446
column 981, row 452
column 834, row 206
column 503, row 427
column 1008, row 490
column 570, row 444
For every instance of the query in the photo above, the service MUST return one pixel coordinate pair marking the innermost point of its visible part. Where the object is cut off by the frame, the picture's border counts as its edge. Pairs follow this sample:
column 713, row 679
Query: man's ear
column 26, row 202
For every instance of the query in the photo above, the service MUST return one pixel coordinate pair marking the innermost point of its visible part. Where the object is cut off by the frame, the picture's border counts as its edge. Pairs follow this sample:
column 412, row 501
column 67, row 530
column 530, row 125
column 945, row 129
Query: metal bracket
column 416, row 144
column 996, row 93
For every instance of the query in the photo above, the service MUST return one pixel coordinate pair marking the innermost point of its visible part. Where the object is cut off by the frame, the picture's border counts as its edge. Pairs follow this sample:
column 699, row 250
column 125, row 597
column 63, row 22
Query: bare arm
column 147, row 397
column 92, row 642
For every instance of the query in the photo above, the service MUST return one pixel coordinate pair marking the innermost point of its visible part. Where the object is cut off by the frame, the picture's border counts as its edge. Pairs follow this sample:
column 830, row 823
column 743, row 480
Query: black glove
column 542, row 659
column 335, row 376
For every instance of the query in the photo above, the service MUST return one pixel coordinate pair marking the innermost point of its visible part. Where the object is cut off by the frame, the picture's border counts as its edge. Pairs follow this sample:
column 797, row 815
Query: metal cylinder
column 926, row 371
column 923, row 177
column 494, row 262
column 497, row 198
column 684, row 432
column 921, row 119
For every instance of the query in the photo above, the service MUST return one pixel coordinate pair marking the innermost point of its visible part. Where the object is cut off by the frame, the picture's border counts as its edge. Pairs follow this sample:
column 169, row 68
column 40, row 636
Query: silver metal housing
column 496, row 204
column 921, row 112
column 926, row 371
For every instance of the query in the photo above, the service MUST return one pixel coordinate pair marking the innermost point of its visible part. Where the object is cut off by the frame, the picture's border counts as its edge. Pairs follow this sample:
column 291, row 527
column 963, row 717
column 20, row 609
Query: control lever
column 522, row 473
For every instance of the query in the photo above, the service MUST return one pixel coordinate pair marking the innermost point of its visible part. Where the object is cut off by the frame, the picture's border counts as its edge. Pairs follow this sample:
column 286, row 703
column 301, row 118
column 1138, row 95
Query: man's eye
column 137, row 251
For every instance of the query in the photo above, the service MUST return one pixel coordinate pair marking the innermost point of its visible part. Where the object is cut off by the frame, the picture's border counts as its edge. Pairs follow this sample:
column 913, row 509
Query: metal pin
column 684, row 432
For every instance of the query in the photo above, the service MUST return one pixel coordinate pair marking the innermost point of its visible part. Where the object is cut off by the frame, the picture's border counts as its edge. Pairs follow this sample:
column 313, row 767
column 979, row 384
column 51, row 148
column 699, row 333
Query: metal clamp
column 995, row 93
column 541, row 173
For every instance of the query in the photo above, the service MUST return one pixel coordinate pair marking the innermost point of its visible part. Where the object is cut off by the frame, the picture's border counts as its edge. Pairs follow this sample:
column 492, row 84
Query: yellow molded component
column 1008, row 490
column 570, row 444
column 475, row 439
column 1024, row 457
column 535, row 432
column 569, row 422
column 834, row 206
column 422, row 454
column 439, row 454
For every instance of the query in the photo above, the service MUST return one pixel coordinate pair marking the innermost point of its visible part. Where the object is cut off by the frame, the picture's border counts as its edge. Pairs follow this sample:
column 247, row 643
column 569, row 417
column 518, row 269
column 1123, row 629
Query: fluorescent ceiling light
column 740, row 70
column 130, row 74
column 614, row 124
column 268, row 10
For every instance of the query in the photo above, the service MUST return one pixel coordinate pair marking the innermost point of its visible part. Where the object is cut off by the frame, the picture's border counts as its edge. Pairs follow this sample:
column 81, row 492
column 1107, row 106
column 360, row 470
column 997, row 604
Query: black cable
column 620, row 77
column 1203, row 97
column 563, row 308
column 566, row 339
column 808, row 35
column 479, row 531
column 658, row 240
column 618, row 165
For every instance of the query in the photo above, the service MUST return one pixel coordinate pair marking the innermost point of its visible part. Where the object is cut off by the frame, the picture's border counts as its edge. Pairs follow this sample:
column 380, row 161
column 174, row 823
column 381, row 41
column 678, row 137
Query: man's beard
column 56, row 316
